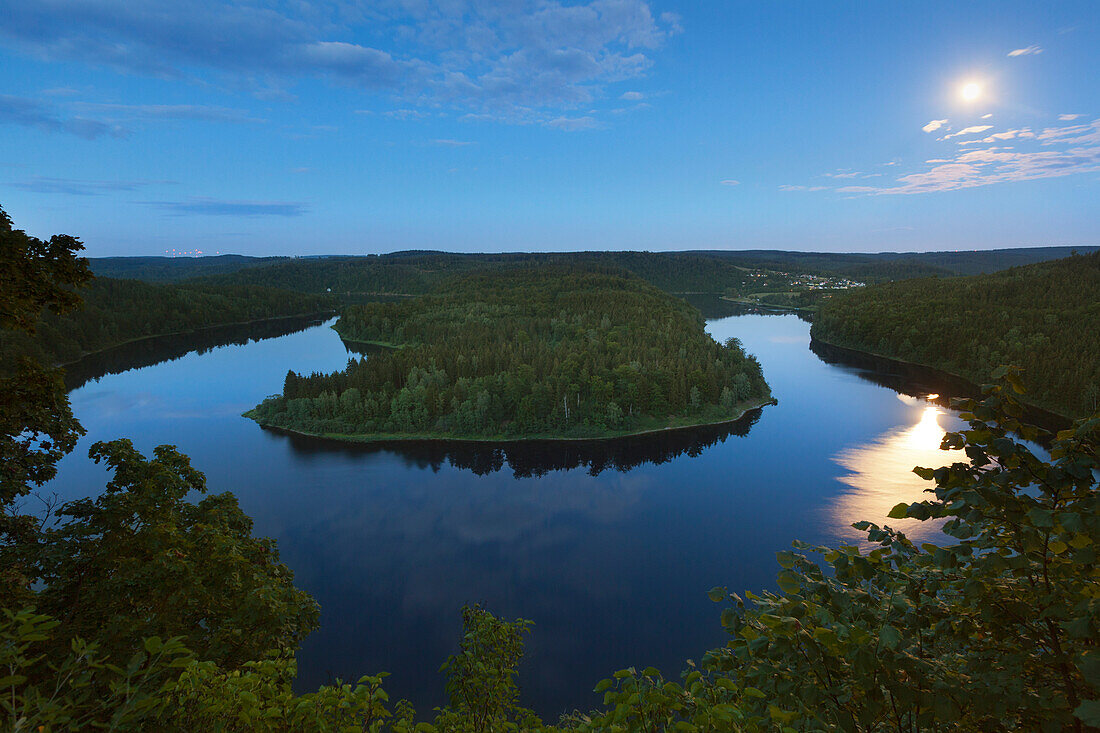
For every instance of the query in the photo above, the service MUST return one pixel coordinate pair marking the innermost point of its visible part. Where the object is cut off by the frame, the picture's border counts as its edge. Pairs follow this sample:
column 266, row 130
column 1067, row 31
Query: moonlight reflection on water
column 880, row 474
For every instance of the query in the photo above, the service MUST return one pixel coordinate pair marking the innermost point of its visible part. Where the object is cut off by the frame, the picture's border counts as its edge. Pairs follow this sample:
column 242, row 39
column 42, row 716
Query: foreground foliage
column 1044, row 318
column 519, row 353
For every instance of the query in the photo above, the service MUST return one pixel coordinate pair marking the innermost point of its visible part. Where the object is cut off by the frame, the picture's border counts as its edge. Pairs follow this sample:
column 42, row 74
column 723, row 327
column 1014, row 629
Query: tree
column 37, row 426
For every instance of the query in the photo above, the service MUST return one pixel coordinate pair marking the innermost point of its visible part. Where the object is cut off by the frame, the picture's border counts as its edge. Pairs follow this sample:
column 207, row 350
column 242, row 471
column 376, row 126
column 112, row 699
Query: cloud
column 1025, row 51
column 987, row 116
column 32, row 113
column 572, row 124
column 452, row 143
column 855, row 189
column 972, row 130
column 518, row 60
column 200, row 206
column 401, row 114
column 730, row 182
column 999, row 136
column 1086, row 134
column 789, row 187
column 934, row 125
column 632, row 96
column 1051, row 153
column 844, row 174
column 158, row 112
column 1068, row 118
column 74, row 187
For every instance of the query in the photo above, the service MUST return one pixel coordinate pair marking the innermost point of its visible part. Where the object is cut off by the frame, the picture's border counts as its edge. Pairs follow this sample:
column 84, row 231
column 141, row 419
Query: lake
column 610, row 548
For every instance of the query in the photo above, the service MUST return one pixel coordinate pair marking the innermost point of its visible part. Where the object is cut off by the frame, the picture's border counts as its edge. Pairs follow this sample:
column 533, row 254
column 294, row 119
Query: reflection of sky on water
column 880, row 475
column 612, row 565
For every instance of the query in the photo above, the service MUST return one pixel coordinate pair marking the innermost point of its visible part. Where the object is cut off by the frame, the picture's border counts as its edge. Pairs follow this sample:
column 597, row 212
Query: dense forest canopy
column 702, row 271
column 118, row 311
column 1044, row 318
column 549, row 351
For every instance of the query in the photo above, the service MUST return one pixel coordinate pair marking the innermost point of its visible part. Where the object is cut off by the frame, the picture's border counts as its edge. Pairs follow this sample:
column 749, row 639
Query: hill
column 115, row 312
column 1044, row 318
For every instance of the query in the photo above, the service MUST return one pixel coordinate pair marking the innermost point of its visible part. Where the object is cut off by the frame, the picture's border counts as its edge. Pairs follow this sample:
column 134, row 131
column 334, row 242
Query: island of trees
column 522, row 353
column 1044, row 318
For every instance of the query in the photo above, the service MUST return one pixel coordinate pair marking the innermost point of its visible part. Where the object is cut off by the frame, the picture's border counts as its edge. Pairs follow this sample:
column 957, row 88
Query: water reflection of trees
column 147, row 352
column 536, row 458
column 713, row 307
column 918, row 381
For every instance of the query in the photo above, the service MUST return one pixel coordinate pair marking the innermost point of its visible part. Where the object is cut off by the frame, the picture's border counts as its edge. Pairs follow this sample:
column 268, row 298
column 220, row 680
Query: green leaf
column 788, row 582
column 900, row 511
column 890, row 637
column 1089, row 713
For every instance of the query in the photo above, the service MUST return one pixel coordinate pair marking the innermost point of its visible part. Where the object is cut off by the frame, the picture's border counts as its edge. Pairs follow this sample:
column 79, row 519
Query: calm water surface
column 609, row 548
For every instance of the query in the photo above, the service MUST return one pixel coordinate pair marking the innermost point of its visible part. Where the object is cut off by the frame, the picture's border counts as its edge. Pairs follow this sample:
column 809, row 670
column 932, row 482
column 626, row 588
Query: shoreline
column 757, row 304
column 1044, row 414
column 200, row 329
column 421, row 438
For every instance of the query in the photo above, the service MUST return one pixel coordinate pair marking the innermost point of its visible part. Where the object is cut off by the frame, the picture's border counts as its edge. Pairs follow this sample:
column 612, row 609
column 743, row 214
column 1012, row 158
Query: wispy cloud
column 1068, row 118
column 632, row 96
column 934, row 125
column 75, row 187
column 200, row 206
column 447, row 142
column 730, row 182
column 572, row 124
column 33, row 113
column 972, row 130
column 1053, row 152
column 1028, row 51
column 158, row 112
column 510, row 60
column 1000, row 136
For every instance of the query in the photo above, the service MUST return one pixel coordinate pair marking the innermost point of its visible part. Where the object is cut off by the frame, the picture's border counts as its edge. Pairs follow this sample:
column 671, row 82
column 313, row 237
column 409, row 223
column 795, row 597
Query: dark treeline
column 702, row 271
column 115, row 312
column 156, row 349
column 173, row 269
column 415, row 273
column 563, row 352
column 1044, row 318
column 883, row 266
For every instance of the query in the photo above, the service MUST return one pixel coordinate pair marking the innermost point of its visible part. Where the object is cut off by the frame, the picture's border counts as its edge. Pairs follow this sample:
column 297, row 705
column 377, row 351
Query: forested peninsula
column 547, row 352
column 115, row 312
column 1044, row 318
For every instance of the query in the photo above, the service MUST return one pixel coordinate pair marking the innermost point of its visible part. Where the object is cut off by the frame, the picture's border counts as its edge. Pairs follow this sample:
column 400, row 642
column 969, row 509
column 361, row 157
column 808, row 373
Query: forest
column 699, row 271
column 115, row 312
column 519, row 353
column 151, row 606
column 1043, row 318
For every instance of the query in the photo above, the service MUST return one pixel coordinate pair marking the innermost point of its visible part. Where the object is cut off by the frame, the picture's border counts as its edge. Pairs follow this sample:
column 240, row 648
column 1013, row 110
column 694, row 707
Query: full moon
column 971, row 91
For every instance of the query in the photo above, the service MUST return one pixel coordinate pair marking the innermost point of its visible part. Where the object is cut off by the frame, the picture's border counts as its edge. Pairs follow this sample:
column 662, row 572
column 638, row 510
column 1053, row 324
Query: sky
column 151, row 127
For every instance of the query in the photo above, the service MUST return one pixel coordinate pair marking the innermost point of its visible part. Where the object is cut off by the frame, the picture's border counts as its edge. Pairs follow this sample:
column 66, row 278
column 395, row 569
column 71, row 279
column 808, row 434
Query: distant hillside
column 115, row 312
column 173, row 269
column 1043, row 317
column 883, row 266
column 418, row 271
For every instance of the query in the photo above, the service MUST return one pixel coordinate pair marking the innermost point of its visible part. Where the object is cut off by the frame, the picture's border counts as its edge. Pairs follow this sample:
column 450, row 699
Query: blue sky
column 146, row 126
